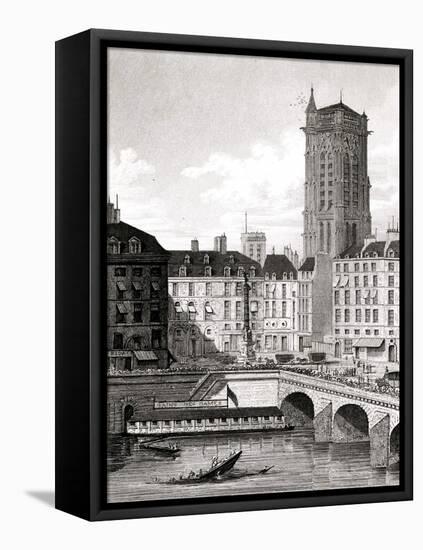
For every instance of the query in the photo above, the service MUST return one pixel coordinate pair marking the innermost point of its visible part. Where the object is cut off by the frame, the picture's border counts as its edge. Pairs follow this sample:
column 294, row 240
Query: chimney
column 113, row 214
column 220, row 244
column 194, row 245
column 369, row 239
column 392, row 233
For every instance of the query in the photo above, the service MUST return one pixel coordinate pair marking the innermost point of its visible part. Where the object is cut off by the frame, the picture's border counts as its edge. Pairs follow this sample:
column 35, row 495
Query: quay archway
column 298, row 409
column 350, row 423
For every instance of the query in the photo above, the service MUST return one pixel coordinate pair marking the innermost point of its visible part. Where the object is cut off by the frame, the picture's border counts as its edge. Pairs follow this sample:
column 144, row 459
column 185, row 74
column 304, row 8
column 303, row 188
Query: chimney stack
column 195, row 247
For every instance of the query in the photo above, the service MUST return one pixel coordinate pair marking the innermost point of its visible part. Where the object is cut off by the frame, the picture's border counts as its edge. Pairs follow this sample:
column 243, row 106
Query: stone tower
column 336, row 189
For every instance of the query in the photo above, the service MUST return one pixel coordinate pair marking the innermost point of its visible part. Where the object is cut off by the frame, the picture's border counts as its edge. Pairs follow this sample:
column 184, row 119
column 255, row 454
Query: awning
column 137, row 285
column 155, row 285
column 253, row 306
column 344, row 281
column 366, row 294
column 336, row 281
column 121, row 308
column 121, row 286
column 142, row 355
column 272, row 288
column 368, row 343
column 374, row 293
column 191, row 309
column 178, row 308
column 209, row 309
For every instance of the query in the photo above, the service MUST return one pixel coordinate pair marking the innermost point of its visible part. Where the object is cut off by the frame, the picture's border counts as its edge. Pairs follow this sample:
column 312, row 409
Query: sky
column 195, row 140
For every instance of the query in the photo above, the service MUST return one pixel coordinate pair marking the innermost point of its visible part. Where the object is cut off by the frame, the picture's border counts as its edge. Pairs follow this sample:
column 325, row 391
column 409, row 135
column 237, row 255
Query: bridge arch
column 350, row 423
column 394, row 444
column 298, row 409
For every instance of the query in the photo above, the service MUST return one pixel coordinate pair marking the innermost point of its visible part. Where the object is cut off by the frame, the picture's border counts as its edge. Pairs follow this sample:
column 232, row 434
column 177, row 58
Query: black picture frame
column 81, row 114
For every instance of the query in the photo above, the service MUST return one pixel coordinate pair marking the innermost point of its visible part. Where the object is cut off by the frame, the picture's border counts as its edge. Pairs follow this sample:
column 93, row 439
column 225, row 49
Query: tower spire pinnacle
column 311, row 103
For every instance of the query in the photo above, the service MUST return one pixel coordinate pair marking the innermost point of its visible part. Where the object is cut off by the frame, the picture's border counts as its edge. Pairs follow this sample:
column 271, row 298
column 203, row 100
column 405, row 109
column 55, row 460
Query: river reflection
column 299, row 464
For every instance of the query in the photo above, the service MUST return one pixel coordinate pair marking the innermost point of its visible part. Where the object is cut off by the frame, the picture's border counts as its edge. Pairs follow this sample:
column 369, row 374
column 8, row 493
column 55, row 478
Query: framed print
column 234, row 274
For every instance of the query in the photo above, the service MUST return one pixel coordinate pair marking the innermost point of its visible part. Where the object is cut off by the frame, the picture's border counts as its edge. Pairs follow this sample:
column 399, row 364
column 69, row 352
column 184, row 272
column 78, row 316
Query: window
column 390, row 297
column 121, row 313
column 346, row 268
column 137, row 312
column 338, row 268
column 356, row 281
column 190, row 289
column 273, row 276
column 375, row 316
column 367, row 315
column 365, row 267
column 373, row 266
column 227, row 326
column 337, row 315
column 227, row 310
column 365, row 280
column 374, row 280
column 208, row 289
column 358, row 297
column 120, row 290
column 267, row 309
column 192, row 312
column 137, row 272
column 207, row 271
column 238, row 289
column 337, row 297
column 227, row 289
column 156, row 337
column 206, row 259
column 273, row 309
column 113, row 246
column 356, row 267
column 347, row 331
column 347, row 297
column 284, row 291
column 254, row 288
column 252, row 271
column 231, row 259
column 391, row 280
column 154, row 313
column 391, row 317
column 358, row 315
column 182, row 271
column 187, row 259
column 238, row 310
column 178, row 311
column 391, row 266
column 120, row 271
column 155, row 289
column 375, row 298
column 347, row 345
column 357, row 331
column 347, row 316
column 174, row 289
column 227, row 271
column 156, row 271
column 283, row 309
column 208, row 311
column 376, row 332
column 134, row 245
column 240, row 272
column 117, row 340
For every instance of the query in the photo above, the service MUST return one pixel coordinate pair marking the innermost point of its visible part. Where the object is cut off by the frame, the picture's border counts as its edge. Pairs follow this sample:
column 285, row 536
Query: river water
column 299, row 464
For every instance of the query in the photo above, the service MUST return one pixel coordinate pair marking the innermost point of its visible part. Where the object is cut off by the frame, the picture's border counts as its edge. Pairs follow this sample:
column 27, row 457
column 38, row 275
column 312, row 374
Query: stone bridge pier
column 346, row 418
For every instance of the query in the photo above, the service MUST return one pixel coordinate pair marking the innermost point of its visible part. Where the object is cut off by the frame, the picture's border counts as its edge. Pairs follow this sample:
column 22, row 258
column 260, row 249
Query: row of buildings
column 341, row 299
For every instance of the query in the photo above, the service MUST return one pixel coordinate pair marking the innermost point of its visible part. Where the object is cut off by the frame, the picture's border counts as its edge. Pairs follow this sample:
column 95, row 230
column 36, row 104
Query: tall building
column 137, row 300
column 366, row 301
column 253, row 244
column 336, row 188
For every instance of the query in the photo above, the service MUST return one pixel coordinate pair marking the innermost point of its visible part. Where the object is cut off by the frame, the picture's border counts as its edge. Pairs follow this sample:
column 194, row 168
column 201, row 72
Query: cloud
column 127, row 169
column 265, row 178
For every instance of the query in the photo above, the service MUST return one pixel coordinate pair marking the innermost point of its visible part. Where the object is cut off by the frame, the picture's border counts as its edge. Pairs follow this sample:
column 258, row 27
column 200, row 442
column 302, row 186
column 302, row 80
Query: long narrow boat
column 220, row 467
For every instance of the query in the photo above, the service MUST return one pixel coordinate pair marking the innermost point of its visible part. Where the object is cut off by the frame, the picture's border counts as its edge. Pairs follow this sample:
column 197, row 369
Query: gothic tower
column 336, row 189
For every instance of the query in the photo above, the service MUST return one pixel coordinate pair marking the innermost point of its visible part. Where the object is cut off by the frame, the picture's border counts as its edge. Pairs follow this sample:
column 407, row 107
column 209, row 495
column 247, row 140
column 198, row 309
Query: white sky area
column 195, row 140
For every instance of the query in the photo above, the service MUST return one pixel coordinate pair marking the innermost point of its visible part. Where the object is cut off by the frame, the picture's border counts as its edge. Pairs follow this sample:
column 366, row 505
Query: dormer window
column 374, row 254
column 134, row 245
column 182, row 271
column 113, row 246
column 391, row 253
column 227, row 271
column 207, row 271
column 284, row 276
column 291, row 275
column 273, row 276
column 252, row 271
column 187, row 259
column 347, row 257
column 240, row 271
column 266, row 276
column 231, row 259
column 366, row 255
column 206, row 259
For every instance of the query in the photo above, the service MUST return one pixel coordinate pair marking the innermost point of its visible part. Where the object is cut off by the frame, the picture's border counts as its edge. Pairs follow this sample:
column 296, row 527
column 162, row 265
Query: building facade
column 366, row 301
column 137, row 300
column 336, row 188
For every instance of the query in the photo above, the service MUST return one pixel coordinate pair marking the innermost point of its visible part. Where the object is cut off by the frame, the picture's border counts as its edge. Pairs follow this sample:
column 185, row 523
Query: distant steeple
column 311, row 103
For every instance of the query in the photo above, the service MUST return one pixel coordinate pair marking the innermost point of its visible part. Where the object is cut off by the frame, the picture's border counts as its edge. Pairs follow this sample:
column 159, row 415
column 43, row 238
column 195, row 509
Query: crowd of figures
column 380, row 385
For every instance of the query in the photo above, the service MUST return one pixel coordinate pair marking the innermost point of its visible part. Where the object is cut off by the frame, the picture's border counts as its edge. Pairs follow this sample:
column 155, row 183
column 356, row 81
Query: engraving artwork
column 253, row 266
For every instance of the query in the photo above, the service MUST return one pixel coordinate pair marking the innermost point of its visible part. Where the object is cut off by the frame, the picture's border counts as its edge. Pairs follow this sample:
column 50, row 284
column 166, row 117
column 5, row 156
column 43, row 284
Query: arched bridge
column 340, row 413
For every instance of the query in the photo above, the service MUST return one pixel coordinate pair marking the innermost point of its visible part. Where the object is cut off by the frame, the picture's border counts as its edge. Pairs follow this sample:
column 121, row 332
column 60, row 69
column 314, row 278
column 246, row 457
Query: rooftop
column 123, row 233
column 216, row 260
column 308, row 264
column 279, row 264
